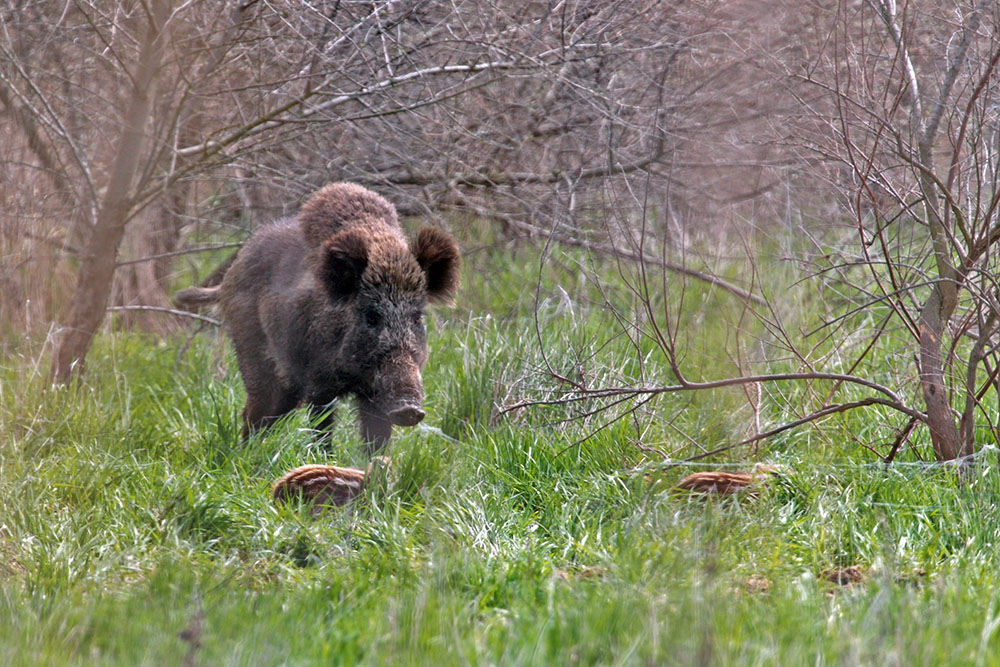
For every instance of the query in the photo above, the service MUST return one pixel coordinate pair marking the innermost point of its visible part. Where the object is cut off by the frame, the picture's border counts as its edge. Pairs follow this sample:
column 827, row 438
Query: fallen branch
column 614, row 252
column 829, row 410
column 669, row 266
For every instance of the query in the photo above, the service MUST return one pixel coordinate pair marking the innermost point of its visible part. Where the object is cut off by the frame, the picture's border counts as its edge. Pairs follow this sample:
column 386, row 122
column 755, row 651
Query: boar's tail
column 197, row 296
column 208, row 292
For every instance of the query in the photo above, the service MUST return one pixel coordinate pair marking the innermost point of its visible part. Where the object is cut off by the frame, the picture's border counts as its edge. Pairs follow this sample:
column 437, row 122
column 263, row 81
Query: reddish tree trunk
column 98, row 262
column 947, row 441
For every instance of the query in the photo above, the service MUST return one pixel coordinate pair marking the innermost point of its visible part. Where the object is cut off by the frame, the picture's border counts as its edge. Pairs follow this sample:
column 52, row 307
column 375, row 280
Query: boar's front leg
column 375, row 425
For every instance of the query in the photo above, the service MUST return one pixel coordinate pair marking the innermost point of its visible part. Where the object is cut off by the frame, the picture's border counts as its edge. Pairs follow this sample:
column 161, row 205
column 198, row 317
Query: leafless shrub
column 129, row 118
column 895, row 107
column 665, row 135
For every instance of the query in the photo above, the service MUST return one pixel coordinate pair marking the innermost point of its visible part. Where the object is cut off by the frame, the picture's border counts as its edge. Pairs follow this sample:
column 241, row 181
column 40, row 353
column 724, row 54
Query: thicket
column 694, row 235
column 689, row 142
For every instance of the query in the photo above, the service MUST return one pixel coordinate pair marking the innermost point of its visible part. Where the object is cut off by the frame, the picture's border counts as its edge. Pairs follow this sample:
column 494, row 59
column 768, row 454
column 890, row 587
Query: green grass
column 135, row 528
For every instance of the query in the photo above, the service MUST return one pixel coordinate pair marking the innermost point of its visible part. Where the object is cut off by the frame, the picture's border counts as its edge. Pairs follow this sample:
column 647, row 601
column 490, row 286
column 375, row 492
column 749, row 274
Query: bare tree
column 921, row 142
column 97, row 261
column 133, row 112
column 896, row 106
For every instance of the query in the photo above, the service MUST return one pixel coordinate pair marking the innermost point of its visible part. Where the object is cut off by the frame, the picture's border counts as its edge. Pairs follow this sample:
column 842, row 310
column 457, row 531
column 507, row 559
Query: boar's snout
column 408, row 415
column 400, row 389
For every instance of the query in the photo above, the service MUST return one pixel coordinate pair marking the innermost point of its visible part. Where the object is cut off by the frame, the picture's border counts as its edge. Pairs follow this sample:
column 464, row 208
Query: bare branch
column 169, row 311
column 609, row 392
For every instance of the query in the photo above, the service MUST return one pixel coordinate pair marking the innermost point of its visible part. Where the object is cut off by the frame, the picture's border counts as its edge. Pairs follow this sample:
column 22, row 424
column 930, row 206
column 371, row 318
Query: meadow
column 136, row 528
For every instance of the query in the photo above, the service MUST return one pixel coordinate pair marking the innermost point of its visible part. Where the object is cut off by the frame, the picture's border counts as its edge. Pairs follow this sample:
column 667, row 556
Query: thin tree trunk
column 945, row 437
column 937, row 311
column 97, row 267
column 153, row 233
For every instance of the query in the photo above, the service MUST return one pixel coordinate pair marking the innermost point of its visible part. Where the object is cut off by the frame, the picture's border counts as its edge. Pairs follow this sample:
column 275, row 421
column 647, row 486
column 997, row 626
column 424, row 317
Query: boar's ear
column 345, row 256
column 437, row 254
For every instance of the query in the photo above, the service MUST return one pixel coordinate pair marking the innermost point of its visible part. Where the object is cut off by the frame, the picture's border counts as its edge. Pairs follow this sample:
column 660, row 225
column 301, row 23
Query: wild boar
column 331, row 303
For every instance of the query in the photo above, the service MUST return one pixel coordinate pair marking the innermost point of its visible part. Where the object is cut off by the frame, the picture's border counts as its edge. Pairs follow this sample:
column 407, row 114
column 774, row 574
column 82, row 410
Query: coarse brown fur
column 725, row 483
column 320, row 484
column 330, row 303
column 326, row 484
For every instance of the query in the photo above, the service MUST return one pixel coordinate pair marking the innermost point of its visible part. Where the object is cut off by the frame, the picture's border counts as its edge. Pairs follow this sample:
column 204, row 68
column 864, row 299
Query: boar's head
column 381, row 286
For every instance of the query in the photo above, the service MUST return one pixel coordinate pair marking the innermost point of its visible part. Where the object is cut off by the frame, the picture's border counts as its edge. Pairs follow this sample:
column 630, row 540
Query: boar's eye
column 373, row 319
column 418, row 320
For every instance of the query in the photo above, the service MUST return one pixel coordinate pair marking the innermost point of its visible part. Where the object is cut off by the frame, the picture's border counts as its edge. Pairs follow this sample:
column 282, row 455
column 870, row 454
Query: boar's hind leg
column 375, row 425
column 266, row 407
column 267, row 397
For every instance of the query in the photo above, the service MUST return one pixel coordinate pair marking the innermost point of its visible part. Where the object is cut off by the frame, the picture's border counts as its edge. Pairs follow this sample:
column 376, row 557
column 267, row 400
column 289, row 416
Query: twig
column 900, row 439
column 272, row 119
column 175, row 253
column 171, row 311
column 581, row 395
column 829, row 410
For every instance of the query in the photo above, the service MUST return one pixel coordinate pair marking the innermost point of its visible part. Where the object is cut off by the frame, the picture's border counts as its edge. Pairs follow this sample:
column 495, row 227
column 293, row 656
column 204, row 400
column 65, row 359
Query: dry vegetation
column 669, row 135
column 543, row 118
column 690, row 230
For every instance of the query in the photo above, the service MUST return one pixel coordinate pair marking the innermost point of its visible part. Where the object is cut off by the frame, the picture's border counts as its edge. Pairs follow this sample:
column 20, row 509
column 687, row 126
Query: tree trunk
column 945, row 438
column 152, row 233
column 97, row 265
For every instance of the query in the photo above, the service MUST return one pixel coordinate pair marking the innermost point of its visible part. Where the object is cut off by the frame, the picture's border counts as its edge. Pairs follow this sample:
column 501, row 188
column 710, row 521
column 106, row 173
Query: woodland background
column 683, row 138
column 695, row 235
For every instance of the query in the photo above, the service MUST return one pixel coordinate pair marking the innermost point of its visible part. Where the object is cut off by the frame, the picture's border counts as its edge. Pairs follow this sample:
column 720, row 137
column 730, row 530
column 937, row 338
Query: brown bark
column 945, row 438
column 97, row 267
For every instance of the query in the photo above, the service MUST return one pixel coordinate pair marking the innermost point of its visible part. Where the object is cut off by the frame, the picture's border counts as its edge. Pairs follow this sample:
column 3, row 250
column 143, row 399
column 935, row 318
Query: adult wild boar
column 330, row 303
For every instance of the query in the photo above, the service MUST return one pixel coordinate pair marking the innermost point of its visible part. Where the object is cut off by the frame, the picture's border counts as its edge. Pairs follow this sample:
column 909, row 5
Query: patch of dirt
column 8, row 560
column 757, row 585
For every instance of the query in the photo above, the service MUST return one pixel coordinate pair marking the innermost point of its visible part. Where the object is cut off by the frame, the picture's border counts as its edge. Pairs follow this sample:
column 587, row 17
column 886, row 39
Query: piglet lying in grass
column 726, row 483
column 327, row 485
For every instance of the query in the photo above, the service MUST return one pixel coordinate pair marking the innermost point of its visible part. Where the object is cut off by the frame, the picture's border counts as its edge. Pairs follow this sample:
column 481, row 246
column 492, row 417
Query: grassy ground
column 135, row 528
